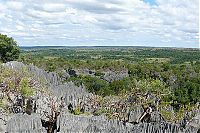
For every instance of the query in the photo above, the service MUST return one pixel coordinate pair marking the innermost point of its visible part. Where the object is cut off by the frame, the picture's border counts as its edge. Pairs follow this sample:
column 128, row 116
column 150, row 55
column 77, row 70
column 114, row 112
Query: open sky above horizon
column 157, row 23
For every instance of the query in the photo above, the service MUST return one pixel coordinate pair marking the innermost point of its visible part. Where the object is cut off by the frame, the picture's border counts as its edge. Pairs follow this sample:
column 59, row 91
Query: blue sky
column 151, row 2
column 164, row 23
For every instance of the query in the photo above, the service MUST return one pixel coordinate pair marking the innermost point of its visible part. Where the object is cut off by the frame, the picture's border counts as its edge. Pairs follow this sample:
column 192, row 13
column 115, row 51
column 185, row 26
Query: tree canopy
column 9, row 50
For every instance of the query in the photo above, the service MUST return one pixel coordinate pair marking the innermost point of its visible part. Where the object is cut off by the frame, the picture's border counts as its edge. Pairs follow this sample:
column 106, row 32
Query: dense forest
column 173, row 75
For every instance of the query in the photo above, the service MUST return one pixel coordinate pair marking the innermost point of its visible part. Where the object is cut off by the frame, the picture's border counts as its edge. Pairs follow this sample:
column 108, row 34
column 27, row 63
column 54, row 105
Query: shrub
column 25, row 89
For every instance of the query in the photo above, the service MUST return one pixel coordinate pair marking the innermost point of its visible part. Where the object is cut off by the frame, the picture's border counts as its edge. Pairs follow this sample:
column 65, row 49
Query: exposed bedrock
column 71, row 93
column 23, row 123
column 50, row 78
column 112, row 75
column 69, row 123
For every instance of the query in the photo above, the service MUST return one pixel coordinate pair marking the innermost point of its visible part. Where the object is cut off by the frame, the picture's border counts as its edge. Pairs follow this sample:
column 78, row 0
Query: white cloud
column 54, row 7
column 45, row 15
column 124, row 21
column 15, row 5
column 19, row 27
column 2, row 7
column 71, row 11
column 19, row 33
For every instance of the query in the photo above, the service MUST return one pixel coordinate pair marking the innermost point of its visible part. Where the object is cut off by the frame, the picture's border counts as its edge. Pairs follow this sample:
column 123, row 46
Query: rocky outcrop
column 3, row 121
column 135, row 114
column 39, row 74
column 99, row 124
column 110, row 76
column 195, row 121
column 161, row 128
column 67, row 94
column 68, row 123
column 71, row 93
column 22, row 123
column 90, row 124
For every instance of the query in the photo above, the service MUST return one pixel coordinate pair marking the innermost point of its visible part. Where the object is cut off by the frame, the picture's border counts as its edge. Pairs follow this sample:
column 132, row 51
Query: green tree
column 97, row 85
column 118, row 86
column 9, row 50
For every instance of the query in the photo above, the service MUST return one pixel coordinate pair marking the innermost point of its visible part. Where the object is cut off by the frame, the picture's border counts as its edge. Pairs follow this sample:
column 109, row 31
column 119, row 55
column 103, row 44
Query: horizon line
column 112, row 46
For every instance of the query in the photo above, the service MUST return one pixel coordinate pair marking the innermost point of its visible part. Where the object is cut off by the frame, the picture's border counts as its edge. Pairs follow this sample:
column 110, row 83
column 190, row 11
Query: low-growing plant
column 77, row 111
column 167, row 115
column 3, row 102
column 25, row 89
column 100, row 112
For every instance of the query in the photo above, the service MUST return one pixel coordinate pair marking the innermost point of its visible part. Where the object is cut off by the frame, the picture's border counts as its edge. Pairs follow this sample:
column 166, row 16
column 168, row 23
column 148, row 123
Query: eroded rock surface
column 112, row 75
column 63, row 95
column 23, row 123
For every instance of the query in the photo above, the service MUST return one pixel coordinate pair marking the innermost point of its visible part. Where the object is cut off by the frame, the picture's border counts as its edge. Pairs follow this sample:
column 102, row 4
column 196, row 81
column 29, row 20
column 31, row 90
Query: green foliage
column 159, row 88
column 50, row 66
column 172, row 75
column 98, row 73
column 25, row 89
column 188, row 93
column 9, row 50
column 3, row 102
column 177, row 56
column 100, row 111
column 167, row 115
column 119, row 86
column 77, row 111
column 96, row 85
column 77, row 80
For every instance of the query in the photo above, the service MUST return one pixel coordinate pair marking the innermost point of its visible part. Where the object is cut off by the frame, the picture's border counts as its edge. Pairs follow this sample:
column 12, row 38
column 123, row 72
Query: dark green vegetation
column 176, row 70
column 113, row 54
column 172, row 75
column 9, row 50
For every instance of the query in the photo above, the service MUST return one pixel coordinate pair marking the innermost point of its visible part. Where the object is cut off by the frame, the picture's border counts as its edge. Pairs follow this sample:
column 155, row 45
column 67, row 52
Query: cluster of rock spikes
column 43, row 104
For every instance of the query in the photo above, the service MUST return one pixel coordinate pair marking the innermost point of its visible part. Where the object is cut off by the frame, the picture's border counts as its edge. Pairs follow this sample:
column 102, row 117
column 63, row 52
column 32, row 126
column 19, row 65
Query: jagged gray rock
column 3, row 121
column 195, row 122
column 99, row 124
column 161, row 128
column 135, row 114
column 22, row 123
column 156, row 117
column 69, row 123
column 71, row 93
column 90, row 124
column 39, row 74
column 113, row 75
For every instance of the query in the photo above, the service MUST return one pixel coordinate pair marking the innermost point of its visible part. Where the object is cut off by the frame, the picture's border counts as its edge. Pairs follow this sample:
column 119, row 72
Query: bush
column 25, row 89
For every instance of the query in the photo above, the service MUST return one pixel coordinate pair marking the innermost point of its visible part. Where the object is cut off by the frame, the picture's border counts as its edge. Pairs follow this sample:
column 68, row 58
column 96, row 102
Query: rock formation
column 51, row 110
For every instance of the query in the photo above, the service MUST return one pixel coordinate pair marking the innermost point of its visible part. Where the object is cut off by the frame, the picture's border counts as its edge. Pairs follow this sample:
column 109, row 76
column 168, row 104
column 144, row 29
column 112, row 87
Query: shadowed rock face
column 68, row 123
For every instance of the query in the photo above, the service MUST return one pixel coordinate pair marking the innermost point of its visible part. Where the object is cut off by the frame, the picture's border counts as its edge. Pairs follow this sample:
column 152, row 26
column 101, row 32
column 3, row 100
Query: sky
column 157, row 23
